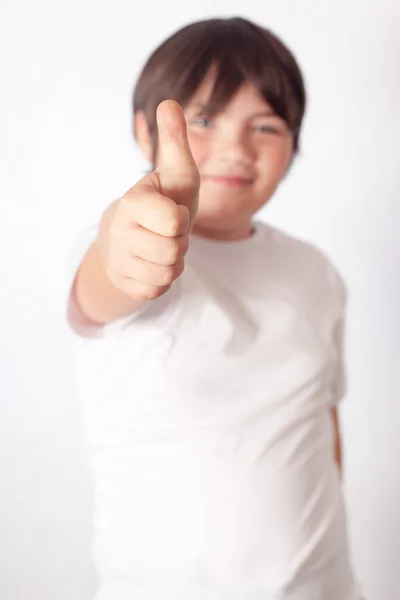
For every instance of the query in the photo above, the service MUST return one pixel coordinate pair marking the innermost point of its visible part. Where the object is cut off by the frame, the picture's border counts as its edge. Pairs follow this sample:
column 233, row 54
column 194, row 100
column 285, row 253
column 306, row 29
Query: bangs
column 252, row 65
column 236, row 51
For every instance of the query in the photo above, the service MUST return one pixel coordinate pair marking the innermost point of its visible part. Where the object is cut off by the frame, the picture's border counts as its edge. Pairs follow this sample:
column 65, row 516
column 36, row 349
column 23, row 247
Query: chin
column 222, row 218
column 218, row 212
column 229, row 207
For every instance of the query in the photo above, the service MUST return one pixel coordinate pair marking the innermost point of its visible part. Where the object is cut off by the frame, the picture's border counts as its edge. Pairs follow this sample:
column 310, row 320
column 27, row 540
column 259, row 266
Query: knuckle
column 173, row 223
column 167, row 276
column 184, row 245
column 181, row 268
column 176, row 249
column 150, row 292
column 172, row 254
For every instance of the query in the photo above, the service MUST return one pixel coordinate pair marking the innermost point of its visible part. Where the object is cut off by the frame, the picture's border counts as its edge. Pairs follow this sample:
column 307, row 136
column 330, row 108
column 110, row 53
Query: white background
column 66, row 151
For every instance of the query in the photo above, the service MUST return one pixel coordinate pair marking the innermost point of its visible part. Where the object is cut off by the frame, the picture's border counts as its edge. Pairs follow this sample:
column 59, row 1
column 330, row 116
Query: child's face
column 242, row 153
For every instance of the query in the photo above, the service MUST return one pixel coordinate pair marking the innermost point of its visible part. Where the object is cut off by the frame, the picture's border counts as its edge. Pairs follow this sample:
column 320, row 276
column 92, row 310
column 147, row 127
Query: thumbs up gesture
column 144, row 236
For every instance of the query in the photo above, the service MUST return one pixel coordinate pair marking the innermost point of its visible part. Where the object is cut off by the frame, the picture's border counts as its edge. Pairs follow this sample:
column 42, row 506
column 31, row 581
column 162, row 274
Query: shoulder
column 306, row 262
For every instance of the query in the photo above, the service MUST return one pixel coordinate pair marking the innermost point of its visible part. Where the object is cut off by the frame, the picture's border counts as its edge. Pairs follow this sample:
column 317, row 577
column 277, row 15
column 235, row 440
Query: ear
column 142, row 135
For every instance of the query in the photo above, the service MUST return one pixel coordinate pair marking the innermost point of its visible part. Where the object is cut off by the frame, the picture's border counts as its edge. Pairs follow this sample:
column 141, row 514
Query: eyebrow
column 266, row 113
column 197, row 106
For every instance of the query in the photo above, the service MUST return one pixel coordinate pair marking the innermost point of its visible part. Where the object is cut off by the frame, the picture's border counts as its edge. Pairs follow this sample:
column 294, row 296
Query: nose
column 233, row 146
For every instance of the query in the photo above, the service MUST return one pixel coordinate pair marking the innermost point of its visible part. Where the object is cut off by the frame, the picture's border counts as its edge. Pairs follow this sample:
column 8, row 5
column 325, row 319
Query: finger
column 153, row 274
column 151, row 247
column 145, row 206
column 137, row 290
column 176, row 169
column 157, row 249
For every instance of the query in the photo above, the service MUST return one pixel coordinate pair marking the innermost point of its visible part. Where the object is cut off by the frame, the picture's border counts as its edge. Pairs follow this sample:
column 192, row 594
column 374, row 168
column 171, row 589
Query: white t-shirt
column 209, row 431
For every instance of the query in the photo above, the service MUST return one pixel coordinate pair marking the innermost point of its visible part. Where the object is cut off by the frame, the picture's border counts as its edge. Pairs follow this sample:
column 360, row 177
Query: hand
column 144, row 237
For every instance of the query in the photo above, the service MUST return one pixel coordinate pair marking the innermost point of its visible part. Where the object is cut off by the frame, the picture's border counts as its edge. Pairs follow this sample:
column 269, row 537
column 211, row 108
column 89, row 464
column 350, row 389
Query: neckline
column 230, row 244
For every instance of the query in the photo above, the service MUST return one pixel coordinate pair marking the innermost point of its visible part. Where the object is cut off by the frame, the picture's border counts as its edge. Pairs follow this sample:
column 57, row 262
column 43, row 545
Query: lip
column 229, row 180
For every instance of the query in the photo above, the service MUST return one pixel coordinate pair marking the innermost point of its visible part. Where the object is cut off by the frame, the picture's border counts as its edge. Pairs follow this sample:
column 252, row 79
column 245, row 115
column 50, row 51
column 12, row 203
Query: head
column 243, row 96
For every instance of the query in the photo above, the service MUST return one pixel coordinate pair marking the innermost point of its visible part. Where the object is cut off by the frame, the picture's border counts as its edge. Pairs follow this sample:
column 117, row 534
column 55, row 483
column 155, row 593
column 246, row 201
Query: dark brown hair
column 241, row 52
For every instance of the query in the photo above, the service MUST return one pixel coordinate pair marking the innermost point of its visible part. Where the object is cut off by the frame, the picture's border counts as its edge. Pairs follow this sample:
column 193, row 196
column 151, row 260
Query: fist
column 144, row 236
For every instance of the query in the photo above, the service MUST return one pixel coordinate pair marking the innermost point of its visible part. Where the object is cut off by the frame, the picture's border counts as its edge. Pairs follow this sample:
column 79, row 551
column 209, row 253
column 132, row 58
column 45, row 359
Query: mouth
column 233, row 181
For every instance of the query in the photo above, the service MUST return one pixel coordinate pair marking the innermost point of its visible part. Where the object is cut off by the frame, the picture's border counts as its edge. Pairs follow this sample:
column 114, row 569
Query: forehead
column 245, row 100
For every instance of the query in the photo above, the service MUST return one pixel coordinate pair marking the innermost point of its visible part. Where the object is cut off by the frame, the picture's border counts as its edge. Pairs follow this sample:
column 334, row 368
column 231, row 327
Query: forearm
column 97, row 297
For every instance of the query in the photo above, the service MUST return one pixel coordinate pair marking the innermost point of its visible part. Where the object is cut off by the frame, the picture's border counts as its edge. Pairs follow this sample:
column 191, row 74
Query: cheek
column 274, row 159
column 199, row 149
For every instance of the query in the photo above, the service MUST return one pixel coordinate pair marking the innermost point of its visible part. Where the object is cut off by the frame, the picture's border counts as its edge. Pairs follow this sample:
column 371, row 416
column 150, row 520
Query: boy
column 213, row 365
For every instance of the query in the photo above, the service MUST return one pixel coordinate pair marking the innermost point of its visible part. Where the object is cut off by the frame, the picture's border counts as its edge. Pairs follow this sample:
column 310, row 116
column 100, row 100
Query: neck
column 225, row 235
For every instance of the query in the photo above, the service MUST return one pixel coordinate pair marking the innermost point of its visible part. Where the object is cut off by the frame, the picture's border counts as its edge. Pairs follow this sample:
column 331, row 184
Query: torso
column 211, row 438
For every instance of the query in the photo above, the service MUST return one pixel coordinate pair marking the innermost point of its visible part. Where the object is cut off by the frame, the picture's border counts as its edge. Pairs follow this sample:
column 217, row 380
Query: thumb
column 176, row 169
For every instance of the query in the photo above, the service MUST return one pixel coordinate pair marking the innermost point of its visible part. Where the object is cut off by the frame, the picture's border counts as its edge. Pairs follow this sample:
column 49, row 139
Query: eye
column 266, row 129
column 201, row 122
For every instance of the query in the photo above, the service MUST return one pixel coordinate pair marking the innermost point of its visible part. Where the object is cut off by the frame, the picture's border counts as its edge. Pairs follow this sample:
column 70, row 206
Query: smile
column 229, row 180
